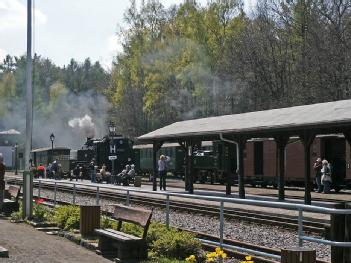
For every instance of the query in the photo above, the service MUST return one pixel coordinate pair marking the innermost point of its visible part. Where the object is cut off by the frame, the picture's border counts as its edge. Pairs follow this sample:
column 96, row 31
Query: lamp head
column 52, row 137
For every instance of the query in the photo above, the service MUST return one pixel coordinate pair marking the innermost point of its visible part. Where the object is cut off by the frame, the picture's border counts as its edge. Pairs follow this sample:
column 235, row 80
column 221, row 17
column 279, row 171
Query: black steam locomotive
column 114, row 151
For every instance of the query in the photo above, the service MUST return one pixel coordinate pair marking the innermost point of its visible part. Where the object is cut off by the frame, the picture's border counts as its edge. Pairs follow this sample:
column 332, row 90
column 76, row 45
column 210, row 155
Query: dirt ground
column 25, row 244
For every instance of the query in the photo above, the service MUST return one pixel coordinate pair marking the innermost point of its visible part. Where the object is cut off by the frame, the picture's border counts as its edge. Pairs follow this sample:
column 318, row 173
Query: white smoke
column 85, row 124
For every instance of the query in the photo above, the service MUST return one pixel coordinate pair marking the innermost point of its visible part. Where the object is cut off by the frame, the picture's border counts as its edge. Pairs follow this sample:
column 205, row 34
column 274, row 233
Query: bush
column 16, row 216
column 132, row 229
column 106, row 222
column 176, row 244
column 156, row 230
column 42, row 213
column 67, row 217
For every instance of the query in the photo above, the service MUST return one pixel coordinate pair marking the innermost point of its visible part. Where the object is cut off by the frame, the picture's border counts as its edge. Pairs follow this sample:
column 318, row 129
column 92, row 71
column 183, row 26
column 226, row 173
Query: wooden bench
column 11, row 202
column 114, row 243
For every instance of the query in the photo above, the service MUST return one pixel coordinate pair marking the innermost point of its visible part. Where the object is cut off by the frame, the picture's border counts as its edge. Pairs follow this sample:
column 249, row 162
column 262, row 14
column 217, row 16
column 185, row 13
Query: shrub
column 67, row 217
column 156, row 230
column 40, row 212
column 17, row 216
column 176, row 244
column 106, row 222
column 132, row 229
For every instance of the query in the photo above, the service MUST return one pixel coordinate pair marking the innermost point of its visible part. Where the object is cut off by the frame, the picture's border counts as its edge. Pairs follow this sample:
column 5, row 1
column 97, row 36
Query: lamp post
column 52, row 138
column 16, row 146
column 112, row 129
column 112, row 133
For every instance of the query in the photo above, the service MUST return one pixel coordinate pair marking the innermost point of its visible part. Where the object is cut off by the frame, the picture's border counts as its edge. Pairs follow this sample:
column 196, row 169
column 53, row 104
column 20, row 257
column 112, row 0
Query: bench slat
column 113, row 234
column 14, row 191
column 132, row 214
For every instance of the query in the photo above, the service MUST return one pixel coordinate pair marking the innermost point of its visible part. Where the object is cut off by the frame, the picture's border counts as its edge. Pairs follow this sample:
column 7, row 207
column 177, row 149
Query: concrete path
column 27, row 245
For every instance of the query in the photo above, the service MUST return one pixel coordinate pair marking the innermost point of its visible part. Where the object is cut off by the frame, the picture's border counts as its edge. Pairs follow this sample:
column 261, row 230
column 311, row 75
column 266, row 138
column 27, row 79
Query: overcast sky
column 66, row 29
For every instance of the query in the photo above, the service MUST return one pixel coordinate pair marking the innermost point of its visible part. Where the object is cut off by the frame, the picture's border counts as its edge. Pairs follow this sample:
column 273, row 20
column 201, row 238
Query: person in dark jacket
column 317, row 167
column 162, row 170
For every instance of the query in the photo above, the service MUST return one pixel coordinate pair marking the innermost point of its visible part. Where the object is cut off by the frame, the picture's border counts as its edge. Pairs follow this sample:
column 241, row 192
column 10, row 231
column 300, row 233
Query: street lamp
column 112, row 128
column 16, row 146
column 52, row 138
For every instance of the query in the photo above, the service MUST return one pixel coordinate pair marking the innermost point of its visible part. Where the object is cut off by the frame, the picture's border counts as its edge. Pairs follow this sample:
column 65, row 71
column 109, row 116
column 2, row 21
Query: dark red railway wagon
column 260, row 160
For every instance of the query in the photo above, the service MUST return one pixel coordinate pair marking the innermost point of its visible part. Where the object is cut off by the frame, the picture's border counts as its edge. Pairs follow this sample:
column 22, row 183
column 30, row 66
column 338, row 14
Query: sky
column 66, row 29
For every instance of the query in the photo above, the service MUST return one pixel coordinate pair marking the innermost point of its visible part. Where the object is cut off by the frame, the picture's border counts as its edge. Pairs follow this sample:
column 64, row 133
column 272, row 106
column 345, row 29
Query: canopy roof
column 331, row 116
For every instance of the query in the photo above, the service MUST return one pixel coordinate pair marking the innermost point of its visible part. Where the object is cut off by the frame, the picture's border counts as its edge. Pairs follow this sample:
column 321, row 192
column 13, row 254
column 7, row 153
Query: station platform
column 28, row 245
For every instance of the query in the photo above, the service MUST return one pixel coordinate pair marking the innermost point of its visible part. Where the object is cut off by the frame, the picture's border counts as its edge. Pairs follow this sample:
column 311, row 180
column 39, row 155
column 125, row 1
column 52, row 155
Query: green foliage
column 67, row 217
column 176, row 244
column 156, row 231
column 42, row 213
column 132, row 229
column 106, row 222
column 16, row 216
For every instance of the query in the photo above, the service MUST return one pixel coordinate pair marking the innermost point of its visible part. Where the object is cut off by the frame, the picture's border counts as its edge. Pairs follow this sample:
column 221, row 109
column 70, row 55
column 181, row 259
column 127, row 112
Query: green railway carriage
column 143, row 158
column 212, row 160
column 47, row 155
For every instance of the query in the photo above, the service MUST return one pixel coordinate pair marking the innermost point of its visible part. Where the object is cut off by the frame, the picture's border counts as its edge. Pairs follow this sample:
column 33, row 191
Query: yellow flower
column 248, row 258
column 224, row 255
column 218, row 250
column 191, row 258
column 209, row 259
column 211, row 255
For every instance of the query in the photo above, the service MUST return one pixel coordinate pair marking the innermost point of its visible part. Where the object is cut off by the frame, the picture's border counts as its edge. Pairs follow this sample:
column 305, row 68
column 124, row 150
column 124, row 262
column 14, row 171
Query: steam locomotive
column 114, row 151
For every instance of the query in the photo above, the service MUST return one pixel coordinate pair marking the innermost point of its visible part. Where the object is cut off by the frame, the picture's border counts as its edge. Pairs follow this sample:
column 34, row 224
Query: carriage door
column 258, row 159
column 334, row 152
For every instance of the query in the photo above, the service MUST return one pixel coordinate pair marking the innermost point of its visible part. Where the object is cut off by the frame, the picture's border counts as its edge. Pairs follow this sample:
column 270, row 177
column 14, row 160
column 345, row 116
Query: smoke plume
column 85, row 125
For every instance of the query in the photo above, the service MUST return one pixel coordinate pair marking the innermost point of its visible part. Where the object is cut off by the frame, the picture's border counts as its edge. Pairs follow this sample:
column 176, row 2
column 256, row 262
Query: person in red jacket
column 41, row 170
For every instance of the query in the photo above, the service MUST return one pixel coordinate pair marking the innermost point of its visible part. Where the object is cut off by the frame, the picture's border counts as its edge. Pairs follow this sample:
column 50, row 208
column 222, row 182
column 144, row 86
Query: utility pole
column 29, row 93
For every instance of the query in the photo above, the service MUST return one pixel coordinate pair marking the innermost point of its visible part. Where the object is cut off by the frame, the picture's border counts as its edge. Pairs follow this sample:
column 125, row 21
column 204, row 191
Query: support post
column 307, row 139
column 186, row 172
column 190, row 165
column 27, row 195
column 155, row 148
column 241, row 172
column 281, row 142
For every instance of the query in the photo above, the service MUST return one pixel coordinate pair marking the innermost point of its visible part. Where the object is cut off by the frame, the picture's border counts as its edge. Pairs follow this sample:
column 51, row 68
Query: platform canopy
column 320, row 118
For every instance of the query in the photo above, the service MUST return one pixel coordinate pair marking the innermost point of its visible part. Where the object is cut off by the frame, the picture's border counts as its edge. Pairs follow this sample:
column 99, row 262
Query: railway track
column 314, row 226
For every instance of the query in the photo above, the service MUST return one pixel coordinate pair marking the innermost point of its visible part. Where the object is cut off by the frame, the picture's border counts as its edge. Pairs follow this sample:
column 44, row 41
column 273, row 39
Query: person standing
column 317, row 166
column 92, row 171
column 41, row 170
column 326, row 177
column 2, row 181
column 162, row 170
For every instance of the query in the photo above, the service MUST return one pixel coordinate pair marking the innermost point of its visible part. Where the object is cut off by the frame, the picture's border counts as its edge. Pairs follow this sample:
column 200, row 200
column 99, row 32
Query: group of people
column 99, row 175
column 323, row 171
column 53, row 170
column 125, row 177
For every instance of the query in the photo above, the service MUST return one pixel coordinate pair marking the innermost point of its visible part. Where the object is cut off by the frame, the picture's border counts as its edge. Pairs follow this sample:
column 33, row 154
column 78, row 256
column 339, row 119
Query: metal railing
column 221, row 201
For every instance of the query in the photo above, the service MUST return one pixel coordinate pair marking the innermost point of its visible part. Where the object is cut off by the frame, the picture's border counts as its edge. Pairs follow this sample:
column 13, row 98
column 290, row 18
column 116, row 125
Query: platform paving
column 27, row 245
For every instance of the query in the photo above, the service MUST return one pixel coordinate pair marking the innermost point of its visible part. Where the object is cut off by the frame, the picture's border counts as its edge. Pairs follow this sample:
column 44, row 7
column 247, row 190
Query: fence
column 221, row 201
